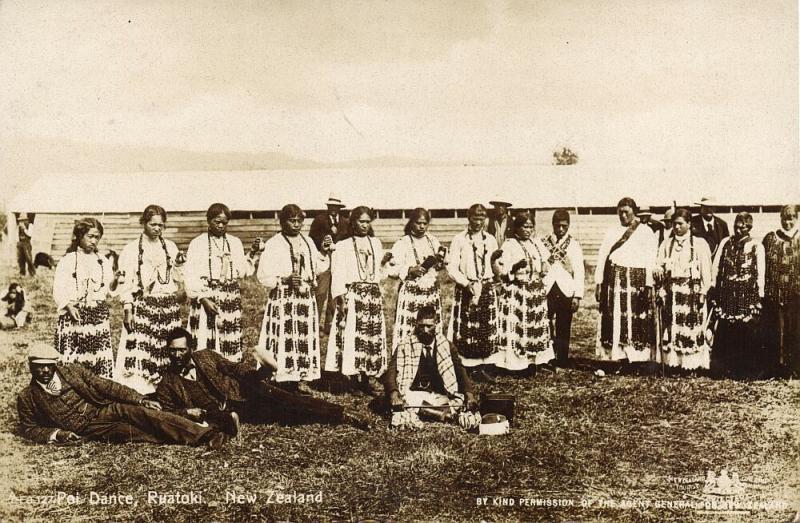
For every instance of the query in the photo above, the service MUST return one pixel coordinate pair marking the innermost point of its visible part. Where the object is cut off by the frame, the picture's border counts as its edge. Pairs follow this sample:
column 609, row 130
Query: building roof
column 533, row 186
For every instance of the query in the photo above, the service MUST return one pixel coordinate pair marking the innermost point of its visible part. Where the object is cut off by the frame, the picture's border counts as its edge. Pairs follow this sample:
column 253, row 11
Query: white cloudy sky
column 622, row 82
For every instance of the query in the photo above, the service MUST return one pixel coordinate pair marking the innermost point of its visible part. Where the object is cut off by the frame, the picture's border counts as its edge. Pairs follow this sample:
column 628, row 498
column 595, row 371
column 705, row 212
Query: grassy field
column 613, row 448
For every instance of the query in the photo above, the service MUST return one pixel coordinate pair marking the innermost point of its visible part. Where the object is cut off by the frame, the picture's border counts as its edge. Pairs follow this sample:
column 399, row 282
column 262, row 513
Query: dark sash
column 607, row 274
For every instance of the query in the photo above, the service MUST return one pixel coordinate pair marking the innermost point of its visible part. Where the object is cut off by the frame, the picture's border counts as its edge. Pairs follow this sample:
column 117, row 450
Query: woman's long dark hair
column 83, row 226
column 355, row 214
column 414, row 216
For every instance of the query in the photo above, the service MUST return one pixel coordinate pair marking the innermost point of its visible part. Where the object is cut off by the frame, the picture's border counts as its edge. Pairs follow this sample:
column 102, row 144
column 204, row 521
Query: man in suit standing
column 499, row 220
column 709, row 227
column 204, row 386
column 326, row 229
column 68, row 403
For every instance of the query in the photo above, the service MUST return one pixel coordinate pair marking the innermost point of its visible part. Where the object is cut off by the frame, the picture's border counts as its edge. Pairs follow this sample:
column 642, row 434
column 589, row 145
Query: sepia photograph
column 414, row 260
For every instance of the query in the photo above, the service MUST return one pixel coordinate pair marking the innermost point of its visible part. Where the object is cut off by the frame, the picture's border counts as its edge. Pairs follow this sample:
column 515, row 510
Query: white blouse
column 403, row 257
column 276, row 260
column 468, row 250
column 227, row 259
column 681, row 263
column 153, row 269
column 88, row 283
column 362, row 263
column 515, row 250
column 638, row 252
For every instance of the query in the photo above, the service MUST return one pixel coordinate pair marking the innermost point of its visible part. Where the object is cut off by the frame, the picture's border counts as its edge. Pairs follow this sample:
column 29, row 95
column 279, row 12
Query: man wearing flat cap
column 712, row 229
column 326, row 229
column 66, row 403
column 499, row 220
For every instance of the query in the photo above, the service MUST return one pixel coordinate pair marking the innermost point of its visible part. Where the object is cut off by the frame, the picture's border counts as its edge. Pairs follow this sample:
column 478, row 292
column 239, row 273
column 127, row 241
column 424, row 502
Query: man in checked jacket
column 425, row 375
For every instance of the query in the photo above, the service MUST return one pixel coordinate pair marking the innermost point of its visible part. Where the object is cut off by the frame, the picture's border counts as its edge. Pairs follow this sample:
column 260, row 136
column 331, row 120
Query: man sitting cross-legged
column 66, row 403
column 204, row 386
column 425, row 377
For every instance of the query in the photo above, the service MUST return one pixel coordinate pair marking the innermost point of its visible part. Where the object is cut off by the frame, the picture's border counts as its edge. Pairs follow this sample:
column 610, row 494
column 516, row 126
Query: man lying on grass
column 425, row 378
column 68, row 403
column 204, row 386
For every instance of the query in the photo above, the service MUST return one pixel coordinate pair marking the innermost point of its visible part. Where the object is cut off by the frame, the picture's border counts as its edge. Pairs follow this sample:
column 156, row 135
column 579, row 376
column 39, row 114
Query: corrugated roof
column 401, row 188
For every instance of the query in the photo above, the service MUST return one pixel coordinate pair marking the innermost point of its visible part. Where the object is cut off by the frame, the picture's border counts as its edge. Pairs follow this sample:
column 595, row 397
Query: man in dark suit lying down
column 204, row 386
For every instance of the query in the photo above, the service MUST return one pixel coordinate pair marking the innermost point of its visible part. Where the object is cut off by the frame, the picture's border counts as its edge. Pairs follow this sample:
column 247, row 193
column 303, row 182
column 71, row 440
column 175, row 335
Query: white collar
column 54, row 387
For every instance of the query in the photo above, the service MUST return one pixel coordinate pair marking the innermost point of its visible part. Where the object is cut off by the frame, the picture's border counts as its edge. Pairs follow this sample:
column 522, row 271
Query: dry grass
column 576, row 436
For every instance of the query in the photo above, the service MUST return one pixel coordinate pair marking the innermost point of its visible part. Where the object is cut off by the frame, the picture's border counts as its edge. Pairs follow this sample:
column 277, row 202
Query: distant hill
column 23, row 159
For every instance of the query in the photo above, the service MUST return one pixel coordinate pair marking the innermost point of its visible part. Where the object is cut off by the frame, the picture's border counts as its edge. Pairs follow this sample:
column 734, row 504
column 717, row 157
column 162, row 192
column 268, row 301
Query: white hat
column 23, row 216
column 705, row 200
column 644, row 211
column 43, row 353
column 493, row 425
column 499, row 200
column 334, row 199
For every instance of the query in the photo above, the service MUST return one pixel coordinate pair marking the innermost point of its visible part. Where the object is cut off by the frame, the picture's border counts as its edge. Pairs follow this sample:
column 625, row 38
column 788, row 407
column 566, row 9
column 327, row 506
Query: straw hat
column 334, row 199
column 706, row 201
column 498, row 200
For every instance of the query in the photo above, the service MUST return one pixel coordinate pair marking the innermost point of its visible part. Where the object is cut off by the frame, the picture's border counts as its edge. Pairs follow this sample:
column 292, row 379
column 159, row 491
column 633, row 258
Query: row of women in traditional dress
column 653, row 300
column 499, row 313
column 501, row 323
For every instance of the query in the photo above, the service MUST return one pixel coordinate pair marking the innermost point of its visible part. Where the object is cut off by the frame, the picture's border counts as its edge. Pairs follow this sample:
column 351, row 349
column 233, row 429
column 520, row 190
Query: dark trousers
column 559, row 310
column 25, row 257
column 123, row 423
column 266, row 402
column 781, row 333
column 737, row 351
column 325, row 305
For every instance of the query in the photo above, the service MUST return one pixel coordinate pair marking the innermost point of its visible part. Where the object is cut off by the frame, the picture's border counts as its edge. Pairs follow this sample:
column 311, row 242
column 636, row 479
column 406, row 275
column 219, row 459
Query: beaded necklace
column 168, row 273
column 363, row 273
column 310, row 257
column 680, row 248
column 414, row 247
column 479, row 273
column 226, row 247
column 88, row 279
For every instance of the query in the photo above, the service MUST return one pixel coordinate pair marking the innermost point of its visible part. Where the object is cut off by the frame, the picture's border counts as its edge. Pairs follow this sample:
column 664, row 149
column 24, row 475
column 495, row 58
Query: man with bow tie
column 326, row 229
column 204, row 386
column 425, row 376
column 67, row 403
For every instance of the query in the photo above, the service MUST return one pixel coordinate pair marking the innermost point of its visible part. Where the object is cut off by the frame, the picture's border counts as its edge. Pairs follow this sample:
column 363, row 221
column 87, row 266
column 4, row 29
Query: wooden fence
column 121, row 228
